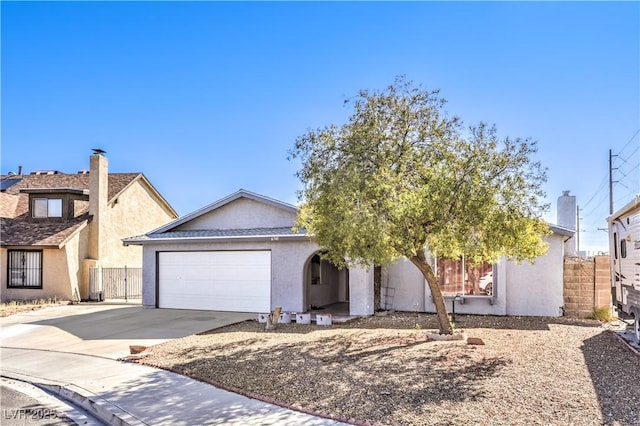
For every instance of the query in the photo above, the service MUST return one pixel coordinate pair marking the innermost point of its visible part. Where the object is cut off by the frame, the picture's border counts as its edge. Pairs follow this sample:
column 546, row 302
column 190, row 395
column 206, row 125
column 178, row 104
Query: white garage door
column 237, row 281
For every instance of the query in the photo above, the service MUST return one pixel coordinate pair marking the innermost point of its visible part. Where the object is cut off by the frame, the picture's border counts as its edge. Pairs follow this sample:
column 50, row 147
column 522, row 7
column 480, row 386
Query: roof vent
column 45, row 172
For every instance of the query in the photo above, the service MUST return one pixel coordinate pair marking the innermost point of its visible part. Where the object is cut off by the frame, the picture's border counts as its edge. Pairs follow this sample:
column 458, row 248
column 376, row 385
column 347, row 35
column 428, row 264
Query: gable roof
column 16, row 228
column 242, row 193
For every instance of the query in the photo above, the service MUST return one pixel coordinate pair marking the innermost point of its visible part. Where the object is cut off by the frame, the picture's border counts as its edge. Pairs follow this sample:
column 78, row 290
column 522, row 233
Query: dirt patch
column 16, row 307
column 385, row 370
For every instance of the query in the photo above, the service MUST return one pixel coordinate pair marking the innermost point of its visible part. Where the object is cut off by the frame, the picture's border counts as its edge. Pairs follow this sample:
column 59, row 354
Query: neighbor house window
column 47, row 207
column 24, row 269
column 458, row 276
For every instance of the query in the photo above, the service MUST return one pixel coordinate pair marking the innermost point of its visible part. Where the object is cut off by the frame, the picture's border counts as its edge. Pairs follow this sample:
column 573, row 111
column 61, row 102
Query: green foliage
column 602, row 314
column 401, row 176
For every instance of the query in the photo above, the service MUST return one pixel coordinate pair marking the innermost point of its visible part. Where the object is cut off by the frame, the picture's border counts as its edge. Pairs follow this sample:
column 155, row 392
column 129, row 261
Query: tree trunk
column 377, row 285
column 441, row 308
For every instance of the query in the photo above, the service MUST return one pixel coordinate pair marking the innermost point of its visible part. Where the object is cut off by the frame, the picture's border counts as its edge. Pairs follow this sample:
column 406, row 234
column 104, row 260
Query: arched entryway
column 326, row 286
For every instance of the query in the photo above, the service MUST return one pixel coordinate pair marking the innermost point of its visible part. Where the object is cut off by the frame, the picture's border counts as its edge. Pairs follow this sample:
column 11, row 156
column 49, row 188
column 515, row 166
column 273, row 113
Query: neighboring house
column 240, row 254
column 56, row 226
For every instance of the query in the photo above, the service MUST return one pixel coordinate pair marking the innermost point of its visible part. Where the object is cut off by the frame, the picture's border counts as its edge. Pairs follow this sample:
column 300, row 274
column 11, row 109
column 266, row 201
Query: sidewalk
column 130, row 394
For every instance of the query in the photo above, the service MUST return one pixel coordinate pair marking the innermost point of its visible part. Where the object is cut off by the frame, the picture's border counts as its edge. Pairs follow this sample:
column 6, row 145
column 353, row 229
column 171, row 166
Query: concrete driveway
column 106, row 330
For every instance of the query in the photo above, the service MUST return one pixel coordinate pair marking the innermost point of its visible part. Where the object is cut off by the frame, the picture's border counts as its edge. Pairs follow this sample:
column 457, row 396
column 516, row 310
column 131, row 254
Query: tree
column 401, row 177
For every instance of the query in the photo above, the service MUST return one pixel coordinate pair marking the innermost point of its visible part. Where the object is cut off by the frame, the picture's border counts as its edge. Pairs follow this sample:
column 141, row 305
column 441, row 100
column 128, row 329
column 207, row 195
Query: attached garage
column 236, row 281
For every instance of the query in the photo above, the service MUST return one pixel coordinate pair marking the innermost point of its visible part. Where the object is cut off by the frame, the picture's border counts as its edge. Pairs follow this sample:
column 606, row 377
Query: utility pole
column 611, row 182
column 578, row 230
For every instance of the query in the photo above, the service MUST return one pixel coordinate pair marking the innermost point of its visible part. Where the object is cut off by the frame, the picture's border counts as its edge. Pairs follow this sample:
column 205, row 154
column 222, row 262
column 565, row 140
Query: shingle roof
column 17, row 230
column 117, row 181
column 219, row 233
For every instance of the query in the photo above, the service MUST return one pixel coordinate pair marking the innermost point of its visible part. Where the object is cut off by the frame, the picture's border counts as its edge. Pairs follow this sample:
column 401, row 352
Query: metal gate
column 115, row 283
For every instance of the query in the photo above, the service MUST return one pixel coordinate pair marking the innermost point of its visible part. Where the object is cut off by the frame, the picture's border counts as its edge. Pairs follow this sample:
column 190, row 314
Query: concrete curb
column 95, row 405
column 263, row 398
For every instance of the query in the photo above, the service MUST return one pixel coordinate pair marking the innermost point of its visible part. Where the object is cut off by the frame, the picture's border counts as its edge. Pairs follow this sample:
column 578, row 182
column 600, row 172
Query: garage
column 234, row 281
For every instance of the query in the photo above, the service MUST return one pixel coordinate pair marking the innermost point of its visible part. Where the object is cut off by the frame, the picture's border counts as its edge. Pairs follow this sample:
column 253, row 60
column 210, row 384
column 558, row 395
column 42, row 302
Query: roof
column 165, row 233
column 561, row 230
column 242, row 193
column 272, row 234
column 21, row 233
column 629, row 207
column 18, row 230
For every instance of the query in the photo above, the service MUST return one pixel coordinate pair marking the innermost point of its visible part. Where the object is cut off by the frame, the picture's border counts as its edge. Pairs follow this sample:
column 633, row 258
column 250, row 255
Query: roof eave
column 221, row 239
column 155, row 192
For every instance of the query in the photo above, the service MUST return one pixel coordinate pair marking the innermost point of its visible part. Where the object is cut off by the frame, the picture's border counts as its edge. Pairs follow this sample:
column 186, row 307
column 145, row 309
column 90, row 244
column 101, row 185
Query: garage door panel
column 228, row 281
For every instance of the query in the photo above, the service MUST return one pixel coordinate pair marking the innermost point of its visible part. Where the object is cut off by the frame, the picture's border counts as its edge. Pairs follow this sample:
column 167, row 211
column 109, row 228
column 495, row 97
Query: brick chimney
column 98, row 198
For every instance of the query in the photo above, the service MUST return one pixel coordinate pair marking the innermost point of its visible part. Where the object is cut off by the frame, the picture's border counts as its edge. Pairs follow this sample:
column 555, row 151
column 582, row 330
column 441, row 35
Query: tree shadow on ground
column 614, row 371
column 384, row 375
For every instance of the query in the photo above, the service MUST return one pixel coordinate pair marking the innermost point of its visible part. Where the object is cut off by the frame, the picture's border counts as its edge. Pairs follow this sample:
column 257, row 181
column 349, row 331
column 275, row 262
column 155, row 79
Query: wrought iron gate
column 115, row 283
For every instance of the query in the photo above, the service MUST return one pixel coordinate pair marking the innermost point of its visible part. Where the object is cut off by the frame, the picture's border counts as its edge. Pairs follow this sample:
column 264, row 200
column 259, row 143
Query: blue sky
column 205, row 98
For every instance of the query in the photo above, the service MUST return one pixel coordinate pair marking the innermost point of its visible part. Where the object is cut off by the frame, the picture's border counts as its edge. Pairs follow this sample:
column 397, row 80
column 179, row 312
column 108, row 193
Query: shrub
column 602, row 314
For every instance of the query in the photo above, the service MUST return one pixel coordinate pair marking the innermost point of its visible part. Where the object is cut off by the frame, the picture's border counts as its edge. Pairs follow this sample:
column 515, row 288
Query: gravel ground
column 384, row 370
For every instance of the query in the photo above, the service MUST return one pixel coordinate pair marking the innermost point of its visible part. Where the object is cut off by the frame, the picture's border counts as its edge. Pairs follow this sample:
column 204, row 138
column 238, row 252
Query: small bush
column 602, row 314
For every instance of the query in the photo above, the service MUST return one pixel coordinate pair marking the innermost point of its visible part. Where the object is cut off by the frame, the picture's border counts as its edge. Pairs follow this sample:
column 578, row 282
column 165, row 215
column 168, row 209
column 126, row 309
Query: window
column 623, row 248
column 316, row 267
column 457, row 276
column 615, row 245
column 25, row 269
column 47, row 207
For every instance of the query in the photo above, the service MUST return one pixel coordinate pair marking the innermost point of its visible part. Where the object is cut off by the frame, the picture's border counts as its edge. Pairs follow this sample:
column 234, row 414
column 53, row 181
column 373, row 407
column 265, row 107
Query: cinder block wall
column 587, row 285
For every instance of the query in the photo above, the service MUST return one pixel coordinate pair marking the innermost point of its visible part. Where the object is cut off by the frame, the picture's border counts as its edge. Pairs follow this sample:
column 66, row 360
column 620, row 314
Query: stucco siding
column 537, row 289
column 287, row 269
column 74, row 250
column 520, row 289
column 405, row 286
column 327, row 291
column 136, row 212
column 242, row 213
column 55, row 279
column 361, row 291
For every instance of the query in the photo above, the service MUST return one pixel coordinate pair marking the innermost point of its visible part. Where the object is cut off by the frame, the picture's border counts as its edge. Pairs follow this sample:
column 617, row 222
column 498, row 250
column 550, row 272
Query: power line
column 629, row 141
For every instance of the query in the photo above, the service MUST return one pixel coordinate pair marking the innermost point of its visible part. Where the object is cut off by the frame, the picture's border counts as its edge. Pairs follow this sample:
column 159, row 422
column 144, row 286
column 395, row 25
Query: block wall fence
column 587, row 285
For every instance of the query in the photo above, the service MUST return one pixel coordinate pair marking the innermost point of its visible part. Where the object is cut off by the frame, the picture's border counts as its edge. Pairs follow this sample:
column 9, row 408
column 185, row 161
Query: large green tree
column 402, row 177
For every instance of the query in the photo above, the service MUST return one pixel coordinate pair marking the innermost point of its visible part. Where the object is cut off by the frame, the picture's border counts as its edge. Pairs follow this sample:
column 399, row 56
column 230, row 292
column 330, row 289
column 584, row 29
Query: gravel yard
column 384, row 370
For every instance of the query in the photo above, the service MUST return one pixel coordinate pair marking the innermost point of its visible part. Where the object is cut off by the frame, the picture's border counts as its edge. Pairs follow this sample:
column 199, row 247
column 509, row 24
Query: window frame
column 38, row 269
column 48, row 207
column 463, row 275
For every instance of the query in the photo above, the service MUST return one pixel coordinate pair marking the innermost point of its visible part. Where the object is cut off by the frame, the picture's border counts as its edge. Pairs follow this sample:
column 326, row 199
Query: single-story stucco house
column 240, row 254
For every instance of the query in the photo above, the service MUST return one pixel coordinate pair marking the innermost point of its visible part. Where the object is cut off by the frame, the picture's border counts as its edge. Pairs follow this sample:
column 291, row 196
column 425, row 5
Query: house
column 240, row 254
column 56, row 226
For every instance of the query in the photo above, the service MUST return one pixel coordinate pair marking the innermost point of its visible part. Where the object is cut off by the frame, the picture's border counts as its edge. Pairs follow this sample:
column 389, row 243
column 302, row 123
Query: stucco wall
column 361, row 291
column 55, row 278
column 135, row 213
column 405, row 285
column 537, row 290
column 520, row 289
column 242, row 213
column 327, row 292
column 287, row 268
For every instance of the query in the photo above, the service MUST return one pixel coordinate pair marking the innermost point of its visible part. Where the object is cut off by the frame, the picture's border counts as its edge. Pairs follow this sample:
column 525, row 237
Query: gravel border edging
column 623, row 340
